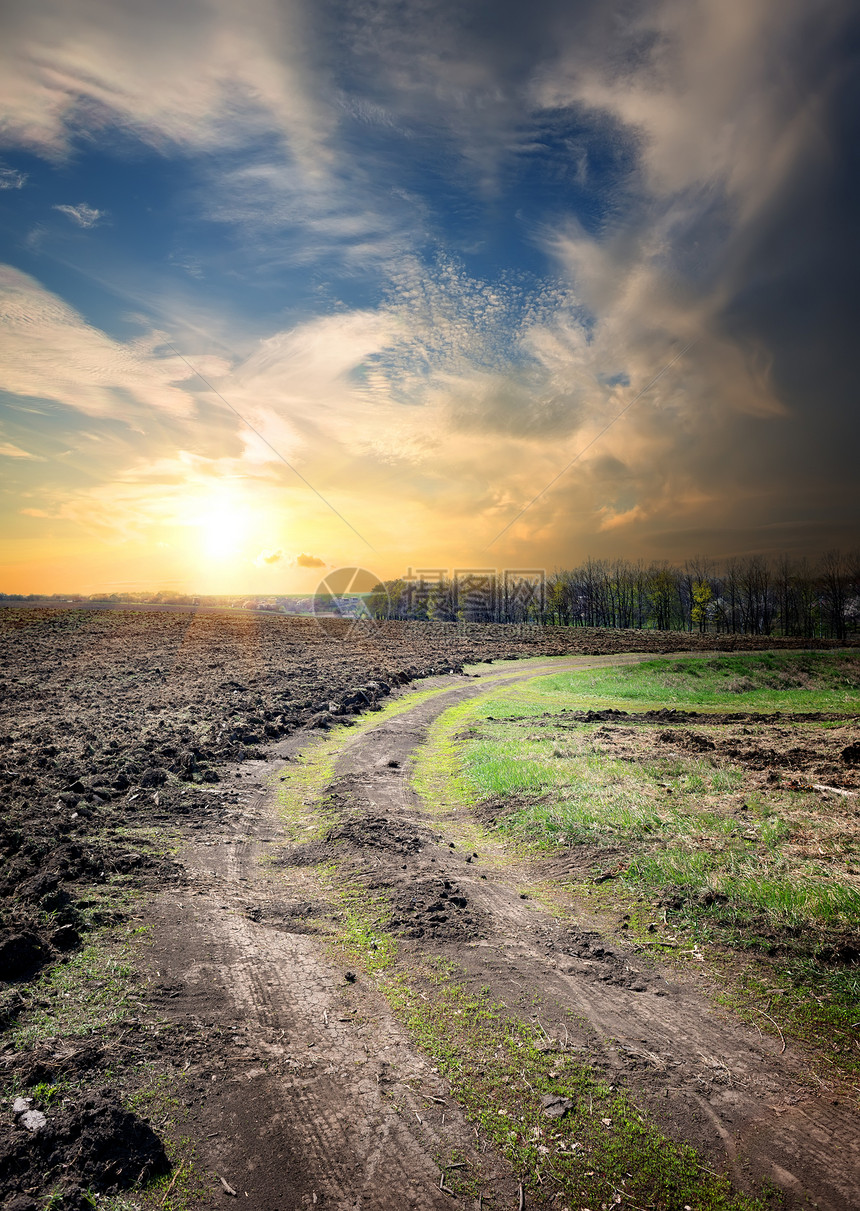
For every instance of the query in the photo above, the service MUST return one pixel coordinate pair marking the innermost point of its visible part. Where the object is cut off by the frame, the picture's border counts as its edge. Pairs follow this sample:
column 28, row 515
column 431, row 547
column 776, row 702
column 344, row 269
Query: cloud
column 48, row 351
column 11, row 178
column 82, row 214
column 460, row 399
column 171, row 74
column 505, row 357
column 7, row 450
column 731, row 232
column 675, row 168
column 645, row 311
column 290, row 218
column 309, row 561
column 268, row 558
column 298, row 388
column 178, row 489
column 452, row 77
column 704, row 88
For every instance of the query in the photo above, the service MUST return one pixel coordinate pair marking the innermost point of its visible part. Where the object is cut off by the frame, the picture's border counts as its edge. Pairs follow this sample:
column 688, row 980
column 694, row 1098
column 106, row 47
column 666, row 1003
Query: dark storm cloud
column 742, row 237
column 794, row 273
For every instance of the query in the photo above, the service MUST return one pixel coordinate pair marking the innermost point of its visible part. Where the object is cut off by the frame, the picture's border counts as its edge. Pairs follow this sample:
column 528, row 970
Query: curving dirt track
column 304, row 1090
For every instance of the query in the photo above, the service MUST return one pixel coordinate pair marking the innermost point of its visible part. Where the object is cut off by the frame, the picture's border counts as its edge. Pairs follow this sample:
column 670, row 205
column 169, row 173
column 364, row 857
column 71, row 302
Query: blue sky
column 424, row 253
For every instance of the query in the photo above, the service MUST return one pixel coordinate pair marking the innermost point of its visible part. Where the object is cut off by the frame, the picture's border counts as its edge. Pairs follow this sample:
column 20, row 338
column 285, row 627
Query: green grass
column 587, row 794
column 809, row 1002
column 188, row 1182
column 437, row 772
column 88, row 993
column 754, row 890
column 361, row 937
column 499, row 1069
column 695, row 854
column 684, row 820
column 766, row 681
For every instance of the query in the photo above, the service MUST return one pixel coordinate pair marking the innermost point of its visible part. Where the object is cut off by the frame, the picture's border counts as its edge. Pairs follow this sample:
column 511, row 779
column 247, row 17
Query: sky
column 293, row 285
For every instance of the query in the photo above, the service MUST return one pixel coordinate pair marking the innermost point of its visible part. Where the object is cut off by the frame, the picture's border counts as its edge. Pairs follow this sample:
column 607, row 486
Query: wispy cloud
column 11, row 178
column 82, row 214
column 170, row 75
column 288, row 218
column 8, row 450
column 48, row 351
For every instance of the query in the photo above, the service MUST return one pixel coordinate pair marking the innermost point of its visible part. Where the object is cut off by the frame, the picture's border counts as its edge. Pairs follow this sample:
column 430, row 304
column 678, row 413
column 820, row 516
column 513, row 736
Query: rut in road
column 325, row 1098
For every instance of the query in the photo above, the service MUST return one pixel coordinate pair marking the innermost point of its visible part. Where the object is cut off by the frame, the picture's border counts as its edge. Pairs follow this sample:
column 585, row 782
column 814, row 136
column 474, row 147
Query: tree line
column 752, row 596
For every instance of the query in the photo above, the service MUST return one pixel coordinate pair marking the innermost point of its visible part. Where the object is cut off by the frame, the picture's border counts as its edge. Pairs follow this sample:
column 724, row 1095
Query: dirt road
column 305, row 1091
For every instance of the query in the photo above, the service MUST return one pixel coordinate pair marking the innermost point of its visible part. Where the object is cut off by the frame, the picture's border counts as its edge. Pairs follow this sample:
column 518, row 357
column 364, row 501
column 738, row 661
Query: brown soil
column 300, row 1087
column 97, row 1146
column 113, row 718
column 792, row 750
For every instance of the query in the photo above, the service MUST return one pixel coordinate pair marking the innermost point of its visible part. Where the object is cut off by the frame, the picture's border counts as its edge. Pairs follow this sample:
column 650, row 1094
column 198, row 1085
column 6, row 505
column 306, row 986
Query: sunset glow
column 292, row 279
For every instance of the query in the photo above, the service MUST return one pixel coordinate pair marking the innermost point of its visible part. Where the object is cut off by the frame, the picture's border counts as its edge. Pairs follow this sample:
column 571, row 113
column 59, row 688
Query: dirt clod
column 556, row 1107
column 97, row 1145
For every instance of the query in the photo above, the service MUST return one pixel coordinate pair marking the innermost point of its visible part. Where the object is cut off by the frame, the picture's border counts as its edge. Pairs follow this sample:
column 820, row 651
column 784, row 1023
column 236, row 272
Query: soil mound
column 434, row 908
column 97, row 1146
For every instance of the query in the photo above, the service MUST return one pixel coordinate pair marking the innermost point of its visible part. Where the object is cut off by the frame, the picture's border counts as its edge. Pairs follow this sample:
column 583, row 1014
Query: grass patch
column 437, row 772
column 686, row 821
column 750, row 888
column 94, row 993
column 187, row 1184
column 362, row 937
column 690, row 847
column 299, row 787
column 765, row 681
column 502, row 1070
column 804, row 1001
column 89, row 993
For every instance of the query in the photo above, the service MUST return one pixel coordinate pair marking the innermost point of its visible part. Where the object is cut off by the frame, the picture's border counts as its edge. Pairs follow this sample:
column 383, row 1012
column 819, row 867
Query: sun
column 223, row 525
column 222, row 533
